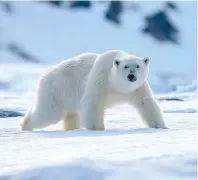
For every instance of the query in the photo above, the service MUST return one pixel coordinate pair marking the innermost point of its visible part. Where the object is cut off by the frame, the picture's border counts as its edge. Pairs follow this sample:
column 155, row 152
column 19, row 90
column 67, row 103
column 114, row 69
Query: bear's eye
column 117, row 62
column 126, row 67
column 137, row 66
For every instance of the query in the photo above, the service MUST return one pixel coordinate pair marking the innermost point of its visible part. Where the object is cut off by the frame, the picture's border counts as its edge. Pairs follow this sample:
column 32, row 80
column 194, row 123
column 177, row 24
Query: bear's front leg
column 92, row 115
column 151, row 113
column 142, row 99
column 95, row 95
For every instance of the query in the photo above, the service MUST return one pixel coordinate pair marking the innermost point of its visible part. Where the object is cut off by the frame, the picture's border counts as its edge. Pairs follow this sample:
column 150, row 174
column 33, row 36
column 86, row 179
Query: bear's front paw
column 159, row 126
column 94, row 127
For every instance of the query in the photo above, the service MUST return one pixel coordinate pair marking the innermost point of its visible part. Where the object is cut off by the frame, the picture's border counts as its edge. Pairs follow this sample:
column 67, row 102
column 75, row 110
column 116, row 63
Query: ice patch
column 9, row 113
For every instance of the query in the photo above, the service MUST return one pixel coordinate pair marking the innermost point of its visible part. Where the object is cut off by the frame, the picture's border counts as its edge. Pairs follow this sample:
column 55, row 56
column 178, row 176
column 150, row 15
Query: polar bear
column 80, row 89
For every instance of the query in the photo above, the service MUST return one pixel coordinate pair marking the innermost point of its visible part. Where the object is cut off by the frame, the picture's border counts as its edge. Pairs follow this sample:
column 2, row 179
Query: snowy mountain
column 53, row 34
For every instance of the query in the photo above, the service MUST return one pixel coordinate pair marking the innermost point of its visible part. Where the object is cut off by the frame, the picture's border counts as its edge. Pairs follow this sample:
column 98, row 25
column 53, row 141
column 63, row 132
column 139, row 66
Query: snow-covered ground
column 126, row 150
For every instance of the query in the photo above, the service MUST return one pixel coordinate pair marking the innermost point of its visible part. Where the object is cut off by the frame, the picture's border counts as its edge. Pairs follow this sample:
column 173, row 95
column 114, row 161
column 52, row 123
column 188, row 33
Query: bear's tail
column 25, row 122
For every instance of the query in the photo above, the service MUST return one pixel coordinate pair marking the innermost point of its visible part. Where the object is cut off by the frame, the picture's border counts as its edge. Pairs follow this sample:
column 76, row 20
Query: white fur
column 79, row 90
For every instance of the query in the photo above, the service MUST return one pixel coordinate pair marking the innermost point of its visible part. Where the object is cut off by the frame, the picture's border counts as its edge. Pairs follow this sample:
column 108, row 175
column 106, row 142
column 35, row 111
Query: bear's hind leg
column 38, row 118
column 71, row 121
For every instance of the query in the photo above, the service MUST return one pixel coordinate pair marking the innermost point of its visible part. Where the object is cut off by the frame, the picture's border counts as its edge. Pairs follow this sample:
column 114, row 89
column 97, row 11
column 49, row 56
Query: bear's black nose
column 131, row 78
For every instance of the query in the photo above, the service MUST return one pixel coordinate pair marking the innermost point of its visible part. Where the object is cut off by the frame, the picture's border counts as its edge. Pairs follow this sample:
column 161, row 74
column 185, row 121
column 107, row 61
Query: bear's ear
column 117, row 62
column 146, row 60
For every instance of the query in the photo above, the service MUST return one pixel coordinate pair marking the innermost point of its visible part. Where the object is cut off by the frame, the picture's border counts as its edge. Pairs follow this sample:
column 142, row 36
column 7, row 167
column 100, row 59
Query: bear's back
column 69, row 78
column 82, row 63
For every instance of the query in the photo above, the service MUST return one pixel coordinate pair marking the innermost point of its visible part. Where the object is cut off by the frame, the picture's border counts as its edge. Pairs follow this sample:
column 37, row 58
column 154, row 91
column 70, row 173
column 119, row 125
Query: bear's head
column 128, row 74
